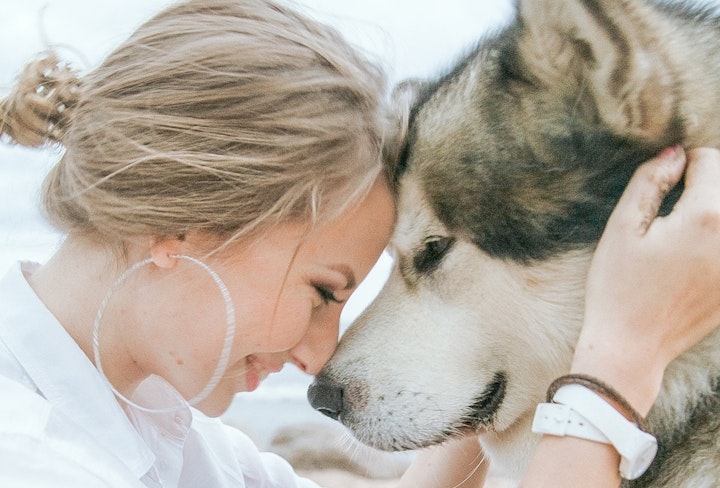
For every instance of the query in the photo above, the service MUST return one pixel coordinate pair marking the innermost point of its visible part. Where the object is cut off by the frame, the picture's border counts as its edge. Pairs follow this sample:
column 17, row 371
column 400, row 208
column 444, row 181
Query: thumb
column 639, row 205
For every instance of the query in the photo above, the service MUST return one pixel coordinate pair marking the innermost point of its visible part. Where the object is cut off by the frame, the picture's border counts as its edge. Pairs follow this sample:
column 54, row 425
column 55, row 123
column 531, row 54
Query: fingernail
column 673, row 152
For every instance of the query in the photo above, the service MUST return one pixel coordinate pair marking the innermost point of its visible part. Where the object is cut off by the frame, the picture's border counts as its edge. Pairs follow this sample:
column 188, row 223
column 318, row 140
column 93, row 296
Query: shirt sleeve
column 265, row 469
column 26, row 461
column 32, row 455
column 239, row 458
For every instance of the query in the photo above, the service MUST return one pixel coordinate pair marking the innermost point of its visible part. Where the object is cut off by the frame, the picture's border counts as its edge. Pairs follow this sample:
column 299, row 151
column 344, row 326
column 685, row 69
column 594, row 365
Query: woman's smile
column 257, row 371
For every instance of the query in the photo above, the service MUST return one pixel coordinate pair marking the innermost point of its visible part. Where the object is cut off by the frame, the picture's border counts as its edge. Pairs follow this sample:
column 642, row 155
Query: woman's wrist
column 636, row 375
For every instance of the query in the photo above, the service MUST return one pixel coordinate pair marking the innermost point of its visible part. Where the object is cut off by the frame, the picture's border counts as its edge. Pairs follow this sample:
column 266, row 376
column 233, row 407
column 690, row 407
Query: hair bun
column 36, row 111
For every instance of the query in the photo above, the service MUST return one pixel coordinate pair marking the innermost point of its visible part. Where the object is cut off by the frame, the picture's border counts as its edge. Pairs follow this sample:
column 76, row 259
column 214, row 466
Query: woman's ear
column 164, row 249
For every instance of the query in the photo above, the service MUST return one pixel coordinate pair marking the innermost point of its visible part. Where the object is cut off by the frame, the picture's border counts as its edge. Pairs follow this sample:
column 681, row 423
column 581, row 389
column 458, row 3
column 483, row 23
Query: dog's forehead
column 416, row 219
column 452, row 122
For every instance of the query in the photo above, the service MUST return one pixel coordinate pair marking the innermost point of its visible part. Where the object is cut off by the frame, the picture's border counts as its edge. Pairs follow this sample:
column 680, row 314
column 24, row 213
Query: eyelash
column 326, row 295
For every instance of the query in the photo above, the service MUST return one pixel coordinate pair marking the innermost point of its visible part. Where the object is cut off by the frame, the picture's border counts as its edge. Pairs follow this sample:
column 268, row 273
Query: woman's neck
column 72, row 285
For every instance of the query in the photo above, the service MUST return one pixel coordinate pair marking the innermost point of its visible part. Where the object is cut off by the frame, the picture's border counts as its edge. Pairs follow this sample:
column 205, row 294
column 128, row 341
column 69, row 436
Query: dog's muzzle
column 326, row 398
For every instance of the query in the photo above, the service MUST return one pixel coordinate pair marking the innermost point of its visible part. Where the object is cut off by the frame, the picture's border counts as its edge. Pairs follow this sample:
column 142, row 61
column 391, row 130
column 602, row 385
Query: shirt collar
column 63, row 374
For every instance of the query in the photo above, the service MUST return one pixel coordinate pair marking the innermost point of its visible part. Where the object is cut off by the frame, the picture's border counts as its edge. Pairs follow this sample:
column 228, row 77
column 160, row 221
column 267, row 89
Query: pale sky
column 415, row 37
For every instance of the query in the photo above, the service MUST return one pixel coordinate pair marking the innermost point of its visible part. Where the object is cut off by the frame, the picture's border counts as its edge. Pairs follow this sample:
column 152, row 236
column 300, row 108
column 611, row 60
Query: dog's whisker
column 478, row 461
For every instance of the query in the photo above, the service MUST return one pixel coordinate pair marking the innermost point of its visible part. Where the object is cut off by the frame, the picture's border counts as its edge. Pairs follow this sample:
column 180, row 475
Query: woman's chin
column 219, row 400
column 214, row 406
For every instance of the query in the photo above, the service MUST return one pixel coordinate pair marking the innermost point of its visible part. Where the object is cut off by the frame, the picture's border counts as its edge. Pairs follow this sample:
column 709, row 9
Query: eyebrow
column 347, row 272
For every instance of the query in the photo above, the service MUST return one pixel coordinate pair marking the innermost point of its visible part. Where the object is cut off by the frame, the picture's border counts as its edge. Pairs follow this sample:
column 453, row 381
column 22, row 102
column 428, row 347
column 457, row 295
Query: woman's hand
column 653, row 289
column 652, row 293
column 458, row 463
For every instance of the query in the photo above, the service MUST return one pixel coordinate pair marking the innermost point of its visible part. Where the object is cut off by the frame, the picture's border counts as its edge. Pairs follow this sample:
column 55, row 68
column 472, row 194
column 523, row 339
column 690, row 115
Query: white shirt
column 61, row 426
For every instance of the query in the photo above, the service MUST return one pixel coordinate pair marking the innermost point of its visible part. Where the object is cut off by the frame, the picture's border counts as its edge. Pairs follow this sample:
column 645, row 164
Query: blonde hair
column 219, row 116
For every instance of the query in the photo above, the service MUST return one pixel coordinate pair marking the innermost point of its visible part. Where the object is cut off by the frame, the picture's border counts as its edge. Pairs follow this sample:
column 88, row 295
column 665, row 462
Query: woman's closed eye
column 327, row 295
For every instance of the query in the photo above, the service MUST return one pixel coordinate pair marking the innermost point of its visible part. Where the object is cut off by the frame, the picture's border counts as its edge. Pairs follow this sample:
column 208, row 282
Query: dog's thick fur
column 509, row 169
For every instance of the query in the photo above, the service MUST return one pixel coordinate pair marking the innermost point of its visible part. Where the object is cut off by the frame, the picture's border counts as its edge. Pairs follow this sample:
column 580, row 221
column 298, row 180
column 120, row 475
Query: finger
column 640, row 202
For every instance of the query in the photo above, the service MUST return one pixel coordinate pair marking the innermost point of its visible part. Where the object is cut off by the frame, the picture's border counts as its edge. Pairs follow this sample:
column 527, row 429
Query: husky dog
column 509, row 168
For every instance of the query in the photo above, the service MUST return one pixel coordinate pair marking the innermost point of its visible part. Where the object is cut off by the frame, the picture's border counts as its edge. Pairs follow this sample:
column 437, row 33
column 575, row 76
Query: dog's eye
column 429, row 258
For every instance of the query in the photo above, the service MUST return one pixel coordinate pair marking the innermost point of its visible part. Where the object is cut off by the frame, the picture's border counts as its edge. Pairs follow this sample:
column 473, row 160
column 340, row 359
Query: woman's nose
column 316, row 347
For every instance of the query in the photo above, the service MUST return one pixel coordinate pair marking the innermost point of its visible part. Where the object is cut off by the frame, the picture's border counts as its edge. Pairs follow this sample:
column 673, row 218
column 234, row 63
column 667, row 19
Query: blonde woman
column 222, row 194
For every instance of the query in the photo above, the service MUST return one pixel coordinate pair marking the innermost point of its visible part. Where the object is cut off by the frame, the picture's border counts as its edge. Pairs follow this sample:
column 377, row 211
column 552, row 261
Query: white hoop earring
column 227, row 343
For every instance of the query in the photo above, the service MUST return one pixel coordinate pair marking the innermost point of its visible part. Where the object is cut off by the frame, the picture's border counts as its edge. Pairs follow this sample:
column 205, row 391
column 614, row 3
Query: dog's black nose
column 326, row 398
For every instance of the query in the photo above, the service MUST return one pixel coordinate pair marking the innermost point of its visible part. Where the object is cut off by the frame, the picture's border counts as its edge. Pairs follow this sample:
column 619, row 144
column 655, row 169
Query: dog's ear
column 403, row 98
column 604, row 53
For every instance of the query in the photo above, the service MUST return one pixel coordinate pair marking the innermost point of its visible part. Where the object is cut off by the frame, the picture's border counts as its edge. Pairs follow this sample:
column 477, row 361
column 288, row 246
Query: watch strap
column 561, row 420
column 637, row 448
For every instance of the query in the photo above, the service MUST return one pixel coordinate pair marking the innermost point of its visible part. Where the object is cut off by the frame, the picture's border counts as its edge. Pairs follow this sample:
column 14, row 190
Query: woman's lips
column 257, row 372
column 252, row 379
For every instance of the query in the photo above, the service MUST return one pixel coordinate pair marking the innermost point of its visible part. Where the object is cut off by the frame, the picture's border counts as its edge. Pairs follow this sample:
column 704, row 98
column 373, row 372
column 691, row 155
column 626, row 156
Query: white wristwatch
column 580, row 412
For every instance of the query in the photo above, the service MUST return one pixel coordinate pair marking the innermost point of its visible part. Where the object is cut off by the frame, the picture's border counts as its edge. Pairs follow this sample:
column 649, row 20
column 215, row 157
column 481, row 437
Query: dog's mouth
column 482, row 411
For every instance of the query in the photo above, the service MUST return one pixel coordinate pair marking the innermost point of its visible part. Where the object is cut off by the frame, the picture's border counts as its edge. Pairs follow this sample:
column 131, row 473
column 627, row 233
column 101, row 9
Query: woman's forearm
column 457, row 464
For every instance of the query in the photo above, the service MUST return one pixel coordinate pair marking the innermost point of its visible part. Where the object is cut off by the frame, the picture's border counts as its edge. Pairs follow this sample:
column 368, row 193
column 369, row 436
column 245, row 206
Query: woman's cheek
column 290, row 326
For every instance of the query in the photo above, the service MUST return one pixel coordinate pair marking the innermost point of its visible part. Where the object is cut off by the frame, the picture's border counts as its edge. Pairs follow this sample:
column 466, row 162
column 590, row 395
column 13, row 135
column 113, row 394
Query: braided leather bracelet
column 602, row 389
